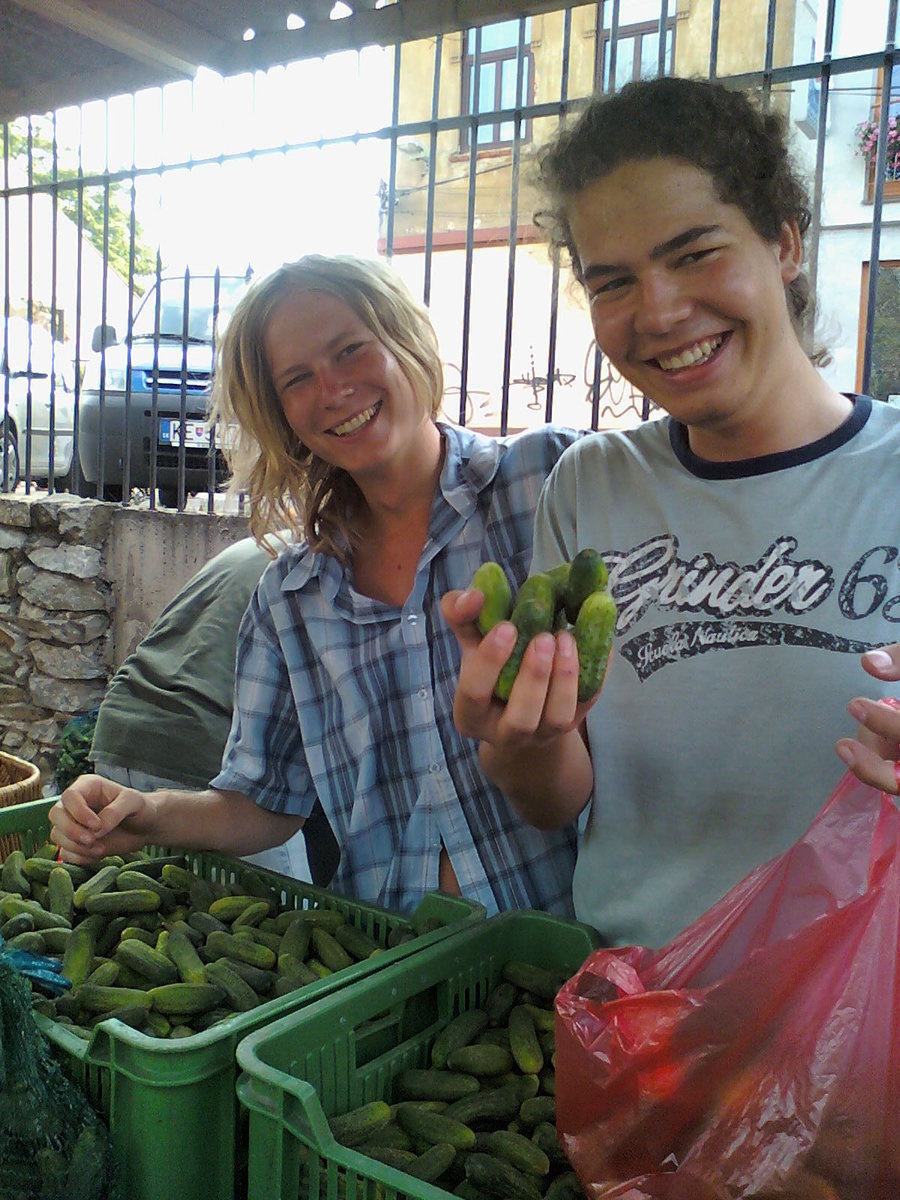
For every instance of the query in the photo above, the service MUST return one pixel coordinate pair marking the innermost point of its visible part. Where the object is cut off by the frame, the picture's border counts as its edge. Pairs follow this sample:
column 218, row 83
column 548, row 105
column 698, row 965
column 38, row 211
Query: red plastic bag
column 758, row 1053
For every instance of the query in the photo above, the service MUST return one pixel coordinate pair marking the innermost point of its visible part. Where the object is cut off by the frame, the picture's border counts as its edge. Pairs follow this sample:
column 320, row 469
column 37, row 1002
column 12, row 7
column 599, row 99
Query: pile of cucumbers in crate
column 170, row 953
column 479, row 1120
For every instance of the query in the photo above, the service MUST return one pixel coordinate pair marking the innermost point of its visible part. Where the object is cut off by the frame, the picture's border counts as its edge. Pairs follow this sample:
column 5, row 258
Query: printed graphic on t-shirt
column 741, row 605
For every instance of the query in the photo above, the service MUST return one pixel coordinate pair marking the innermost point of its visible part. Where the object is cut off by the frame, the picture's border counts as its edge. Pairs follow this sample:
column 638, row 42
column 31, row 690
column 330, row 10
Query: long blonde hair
column 288, row 485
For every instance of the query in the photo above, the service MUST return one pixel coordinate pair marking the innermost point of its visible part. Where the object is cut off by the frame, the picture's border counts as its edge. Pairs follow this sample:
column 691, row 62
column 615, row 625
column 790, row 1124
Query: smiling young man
column 752, row 536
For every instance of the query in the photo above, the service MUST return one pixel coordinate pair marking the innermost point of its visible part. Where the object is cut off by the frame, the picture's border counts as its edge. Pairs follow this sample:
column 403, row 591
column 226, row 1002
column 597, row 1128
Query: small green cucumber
column 481, row 1059
column 60, row 893
column 226, row 908
column 96, row 998
column 360, row 1124
column 416, row 1083
column 498, row 1178
column 531, row 978
column 432, row 1163
column 499, row 1002
column 595, row 627
column 356, row 941
column 183, row 953
column 185, row 999
column 158, row 968
column 434, row 1127
column 495, row 1104
column 462, row 1030
column 519, row 1151
column 587, row 573
column 295, row 941
column 490, row 579
column 560, row 578
column 13, row 877
column 329, row 950
column 523, row 1041
column 538, row 1109
column 117, row 904
column 101, row 881
column 533, row 613
column 565, row 1187
column 238, row 992
column 227, row 945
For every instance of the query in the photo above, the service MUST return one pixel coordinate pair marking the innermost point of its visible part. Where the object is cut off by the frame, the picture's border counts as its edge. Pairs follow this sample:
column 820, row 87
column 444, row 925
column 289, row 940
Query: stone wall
column 81, row 582
column 56, row 610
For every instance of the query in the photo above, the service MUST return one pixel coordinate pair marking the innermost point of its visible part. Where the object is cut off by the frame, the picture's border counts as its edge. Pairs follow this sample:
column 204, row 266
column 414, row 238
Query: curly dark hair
column 706, row 124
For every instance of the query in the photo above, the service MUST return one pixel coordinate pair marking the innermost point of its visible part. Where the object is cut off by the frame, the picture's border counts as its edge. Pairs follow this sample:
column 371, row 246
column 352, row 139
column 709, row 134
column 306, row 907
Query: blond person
column 330, row 377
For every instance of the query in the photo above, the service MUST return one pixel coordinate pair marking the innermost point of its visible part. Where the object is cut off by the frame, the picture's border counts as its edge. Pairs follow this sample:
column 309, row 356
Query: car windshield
column 201, row 296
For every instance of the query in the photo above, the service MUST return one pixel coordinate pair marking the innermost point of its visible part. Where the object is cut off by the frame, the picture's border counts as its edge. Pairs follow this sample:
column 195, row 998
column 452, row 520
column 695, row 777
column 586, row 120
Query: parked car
column 36, row 392
column 144, row 398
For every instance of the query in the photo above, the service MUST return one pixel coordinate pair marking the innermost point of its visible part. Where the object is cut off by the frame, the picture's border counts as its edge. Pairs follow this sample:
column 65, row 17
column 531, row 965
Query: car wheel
column 9, row 461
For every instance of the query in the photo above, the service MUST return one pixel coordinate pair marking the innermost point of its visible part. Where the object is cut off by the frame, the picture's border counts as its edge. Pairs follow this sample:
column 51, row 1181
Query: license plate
column 196, row 433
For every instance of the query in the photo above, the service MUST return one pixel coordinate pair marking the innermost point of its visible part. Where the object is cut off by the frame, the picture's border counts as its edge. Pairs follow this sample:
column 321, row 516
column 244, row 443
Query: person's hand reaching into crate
column 96, row 817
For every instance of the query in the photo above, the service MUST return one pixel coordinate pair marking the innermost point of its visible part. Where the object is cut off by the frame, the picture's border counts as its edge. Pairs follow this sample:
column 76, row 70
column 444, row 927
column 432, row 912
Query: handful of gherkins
column 571, row 595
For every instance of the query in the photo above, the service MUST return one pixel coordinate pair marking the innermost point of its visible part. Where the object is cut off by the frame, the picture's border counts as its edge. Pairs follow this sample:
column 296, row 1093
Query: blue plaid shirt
column 349, row 699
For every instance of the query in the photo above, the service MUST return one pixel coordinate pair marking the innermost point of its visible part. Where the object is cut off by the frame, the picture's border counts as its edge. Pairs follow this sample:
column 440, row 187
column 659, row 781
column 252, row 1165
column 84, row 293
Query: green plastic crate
column 171, row 1106
column 344, row 1051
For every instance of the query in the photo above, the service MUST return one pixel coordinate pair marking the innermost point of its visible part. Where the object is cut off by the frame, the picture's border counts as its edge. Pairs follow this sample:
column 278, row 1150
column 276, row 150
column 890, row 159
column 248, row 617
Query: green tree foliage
column 885, row 377
column 93, row 207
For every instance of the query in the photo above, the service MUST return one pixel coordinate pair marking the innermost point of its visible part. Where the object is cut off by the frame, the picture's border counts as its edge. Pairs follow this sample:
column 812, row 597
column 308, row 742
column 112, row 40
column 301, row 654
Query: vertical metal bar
column 815, row 227
column 663, row 38
column 79, row 264
column 54, row 253
column 6, row 285
column 714, row 39
column 470, row 219
column 513, row 228
column 154, row 385
column 432, row 167
column 608, row 84
column 595, row 387
column 211, row 452
column 392, row 181
column 878, row 198
column 770, row 54
column 132, row 222
column 104, row 308
column 29, row 309
column 182, row 425
column 554, row 280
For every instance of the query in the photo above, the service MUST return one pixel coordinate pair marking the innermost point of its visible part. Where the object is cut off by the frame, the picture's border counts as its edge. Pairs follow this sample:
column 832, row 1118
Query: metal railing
column 132, row 461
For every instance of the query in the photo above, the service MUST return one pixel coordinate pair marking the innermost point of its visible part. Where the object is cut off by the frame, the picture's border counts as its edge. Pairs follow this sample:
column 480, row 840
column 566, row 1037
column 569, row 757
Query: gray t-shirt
column 746, row 593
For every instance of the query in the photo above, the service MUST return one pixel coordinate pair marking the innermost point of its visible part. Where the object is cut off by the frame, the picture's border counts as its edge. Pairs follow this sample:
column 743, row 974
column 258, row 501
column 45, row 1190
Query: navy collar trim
column 767, row 463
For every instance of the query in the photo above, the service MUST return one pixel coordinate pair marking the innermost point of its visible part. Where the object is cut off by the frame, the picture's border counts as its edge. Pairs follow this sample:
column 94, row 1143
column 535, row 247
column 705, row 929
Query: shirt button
column 423, row 693
column 434, row 768
column 411, row 618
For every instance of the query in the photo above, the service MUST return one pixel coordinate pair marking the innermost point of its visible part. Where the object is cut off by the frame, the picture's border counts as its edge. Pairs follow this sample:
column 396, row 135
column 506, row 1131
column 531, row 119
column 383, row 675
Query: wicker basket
column 20, row 781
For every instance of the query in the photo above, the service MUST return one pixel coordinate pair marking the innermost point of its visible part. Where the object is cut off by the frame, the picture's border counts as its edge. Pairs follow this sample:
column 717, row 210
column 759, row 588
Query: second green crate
column 344, row 1051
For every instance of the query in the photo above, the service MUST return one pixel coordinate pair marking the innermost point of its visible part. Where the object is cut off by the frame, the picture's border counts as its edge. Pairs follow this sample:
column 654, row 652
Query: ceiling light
column 295, row 21
column 340, row 11
column 248, row 35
